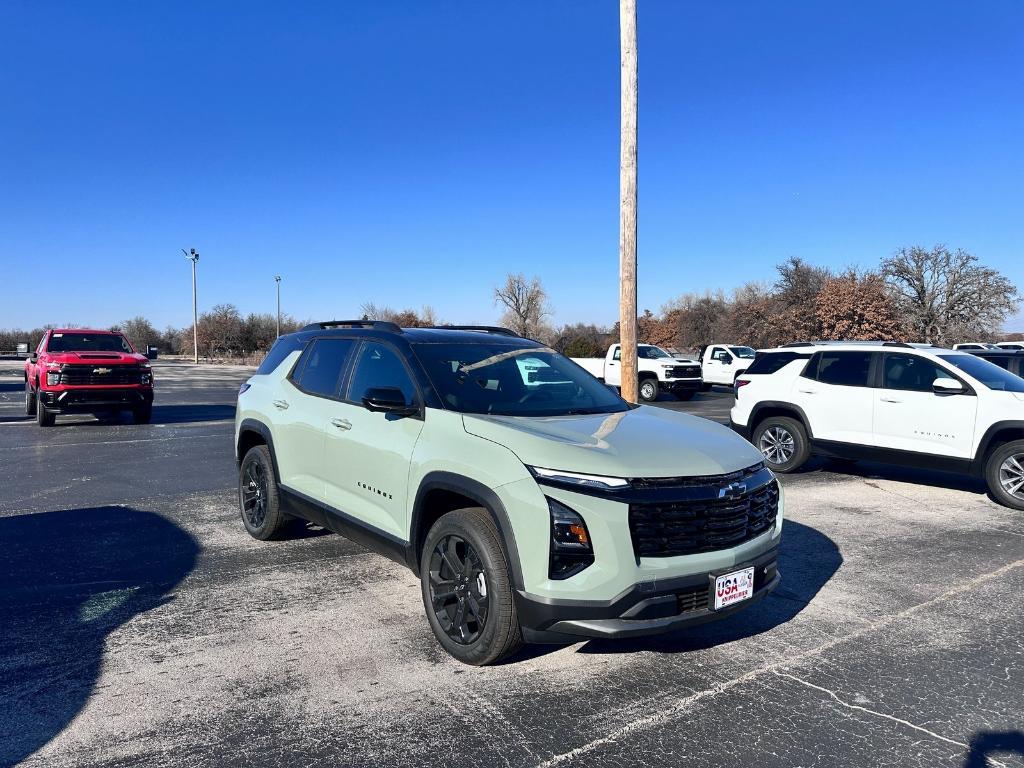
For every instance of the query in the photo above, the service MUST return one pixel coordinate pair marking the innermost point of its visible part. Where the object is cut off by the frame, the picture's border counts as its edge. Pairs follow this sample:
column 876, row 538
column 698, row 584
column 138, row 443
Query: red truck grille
column 100, row 375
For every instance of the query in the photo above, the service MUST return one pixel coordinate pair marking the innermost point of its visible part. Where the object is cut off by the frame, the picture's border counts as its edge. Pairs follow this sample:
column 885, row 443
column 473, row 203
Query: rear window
column 844, row 369
column 770, row 362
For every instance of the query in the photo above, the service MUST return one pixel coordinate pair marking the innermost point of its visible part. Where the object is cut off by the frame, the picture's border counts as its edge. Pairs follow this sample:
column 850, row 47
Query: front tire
column 30, row 400
column 649, row 390
column 44, row 417
column 467, row 593
column 783, row 443
column 258, row 498
column 1004, row 473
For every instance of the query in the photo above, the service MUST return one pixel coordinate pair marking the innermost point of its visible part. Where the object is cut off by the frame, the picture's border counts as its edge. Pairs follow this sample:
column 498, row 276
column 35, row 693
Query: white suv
column 886, row 401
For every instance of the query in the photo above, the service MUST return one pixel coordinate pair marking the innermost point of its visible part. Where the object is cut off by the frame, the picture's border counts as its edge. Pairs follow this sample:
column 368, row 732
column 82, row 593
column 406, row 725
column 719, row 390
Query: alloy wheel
column 647, row 390
column 254, row 494
column 1011, row 475
column 458, row 589
column 777, row 444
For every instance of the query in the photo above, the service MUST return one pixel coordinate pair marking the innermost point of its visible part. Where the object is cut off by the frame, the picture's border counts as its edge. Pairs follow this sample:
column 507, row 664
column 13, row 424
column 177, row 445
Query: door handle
column 344, row 424
column 889, row 400
column 808, row 391
column 281, row 405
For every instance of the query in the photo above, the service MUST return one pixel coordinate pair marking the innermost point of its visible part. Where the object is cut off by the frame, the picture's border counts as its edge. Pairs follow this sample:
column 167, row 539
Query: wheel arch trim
column 985, row 444
column 794, row 410
column 254, row 425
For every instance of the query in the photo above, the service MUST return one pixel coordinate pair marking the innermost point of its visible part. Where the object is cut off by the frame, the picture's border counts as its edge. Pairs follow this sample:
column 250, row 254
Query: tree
column 526, row 305
column 140, row 333
column 581, row 340
column 858, row 308
column 696, row 319
column 406, row 318
column 796, row 293
column 220, row 330
column 946, row 296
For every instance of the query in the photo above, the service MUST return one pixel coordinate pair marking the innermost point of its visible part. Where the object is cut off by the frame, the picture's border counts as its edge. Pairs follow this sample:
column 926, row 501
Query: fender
column 254, row 425
column 978, row 465
column 482, row 495
column 784, row 405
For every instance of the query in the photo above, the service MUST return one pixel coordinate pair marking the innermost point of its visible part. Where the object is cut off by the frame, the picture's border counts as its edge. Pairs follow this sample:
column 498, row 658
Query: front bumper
column 682, row 385
column 647, row 608
column 87, row 399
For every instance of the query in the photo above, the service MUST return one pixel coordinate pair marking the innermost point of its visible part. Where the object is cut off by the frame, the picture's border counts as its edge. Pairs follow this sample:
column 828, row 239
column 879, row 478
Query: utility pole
column 193, row 256
column 277, row 279
column 627, row 198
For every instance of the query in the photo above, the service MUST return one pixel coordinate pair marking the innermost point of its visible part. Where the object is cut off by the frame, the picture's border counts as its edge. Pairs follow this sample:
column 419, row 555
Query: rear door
column 305, row 403
column 367, row 455
column 834, row 393
column 909, row 416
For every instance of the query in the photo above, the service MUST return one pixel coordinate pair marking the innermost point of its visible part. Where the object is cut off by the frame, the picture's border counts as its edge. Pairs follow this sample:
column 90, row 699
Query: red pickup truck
column 75, row 370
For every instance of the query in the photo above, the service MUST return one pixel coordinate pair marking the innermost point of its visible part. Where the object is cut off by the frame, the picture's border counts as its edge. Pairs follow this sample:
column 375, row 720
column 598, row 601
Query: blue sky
column 412, row 153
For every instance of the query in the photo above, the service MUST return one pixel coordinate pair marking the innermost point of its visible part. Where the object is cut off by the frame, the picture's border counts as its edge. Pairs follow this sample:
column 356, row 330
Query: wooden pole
column 627, row 198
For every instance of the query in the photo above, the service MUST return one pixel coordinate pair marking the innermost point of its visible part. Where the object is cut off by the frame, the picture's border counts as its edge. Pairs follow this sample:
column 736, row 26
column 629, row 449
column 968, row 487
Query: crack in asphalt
column 687, row 702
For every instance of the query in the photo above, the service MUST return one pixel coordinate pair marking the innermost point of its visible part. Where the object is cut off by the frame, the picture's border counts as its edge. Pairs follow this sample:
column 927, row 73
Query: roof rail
column 485, row 328
column 798, row 344
column 896, row 344
column 380, row 325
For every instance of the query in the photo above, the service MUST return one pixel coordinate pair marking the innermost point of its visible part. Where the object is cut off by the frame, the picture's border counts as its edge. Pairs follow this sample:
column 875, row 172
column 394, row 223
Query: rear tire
column 649, row 390
column 783, row 443
column 1004, row 473
column 30, row 400
column 467, row 593
column 258, row 499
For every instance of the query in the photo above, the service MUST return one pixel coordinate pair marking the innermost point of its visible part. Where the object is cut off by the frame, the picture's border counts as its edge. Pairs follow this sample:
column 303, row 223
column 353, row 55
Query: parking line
column 51, row 446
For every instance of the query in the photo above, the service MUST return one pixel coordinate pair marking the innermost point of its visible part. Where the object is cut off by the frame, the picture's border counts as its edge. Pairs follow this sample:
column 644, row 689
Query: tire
column 464, row 549
column 258, row 501
column 705, row 387
column 44, row 417
column 1004, row 473
column 648, row 390
column 30, row 400
column 686, row 394
column 143, row 414
column 783, row 443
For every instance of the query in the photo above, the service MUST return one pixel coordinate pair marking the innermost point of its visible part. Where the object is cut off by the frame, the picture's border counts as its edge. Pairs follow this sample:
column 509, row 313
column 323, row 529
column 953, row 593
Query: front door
column 367, row 455
column 909, row 416
column 718, row 367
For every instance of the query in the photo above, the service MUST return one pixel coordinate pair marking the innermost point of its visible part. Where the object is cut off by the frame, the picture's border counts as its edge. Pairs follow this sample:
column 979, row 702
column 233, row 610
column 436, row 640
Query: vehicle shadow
column 180, row 414
column 12, row 385
column 985, row 744
column 919, row 476
column 67, row 580
column 807, row 560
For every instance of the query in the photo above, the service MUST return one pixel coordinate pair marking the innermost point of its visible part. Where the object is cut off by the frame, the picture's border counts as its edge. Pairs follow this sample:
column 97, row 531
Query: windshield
column 647, row 352
column 744, row 352
column 989, row 374
column 501, row 380
column 88, row 342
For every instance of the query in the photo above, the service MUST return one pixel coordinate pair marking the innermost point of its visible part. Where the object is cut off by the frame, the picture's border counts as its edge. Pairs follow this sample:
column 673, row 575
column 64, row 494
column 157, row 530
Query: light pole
column 193, row 255
column 277, row 279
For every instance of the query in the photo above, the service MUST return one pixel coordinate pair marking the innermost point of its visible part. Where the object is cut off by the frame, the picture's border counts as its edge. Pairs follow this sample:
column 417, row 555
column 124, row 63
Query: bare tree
column 947, row 296
column 526, row 305
column 406, row 318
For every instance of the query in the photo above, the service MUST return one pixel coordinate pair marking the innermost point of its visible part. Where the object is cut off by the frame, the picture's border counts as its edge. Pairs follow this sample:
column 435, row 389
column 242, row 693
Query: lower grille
column 685, row 371
column 99, row 375
column 693, row 600
column 670, row 529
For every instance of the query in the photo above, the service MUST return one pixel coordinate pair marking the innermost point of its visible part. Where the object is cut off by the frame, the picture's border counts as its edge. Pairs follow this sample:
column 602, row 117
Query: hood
column 97, row 358
column 642, row 442
column 687, row 360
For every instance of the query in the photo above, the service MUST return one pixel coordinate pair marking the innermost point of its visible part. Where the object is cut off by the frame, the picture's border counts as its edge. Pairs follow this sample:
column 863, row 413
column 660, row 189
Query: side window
column 617, row 354
column 319, row 371
column 770, row 362
column 718, row 353
column 379, row 366
column 844, row 369
column 281, row 349
column 911, row 373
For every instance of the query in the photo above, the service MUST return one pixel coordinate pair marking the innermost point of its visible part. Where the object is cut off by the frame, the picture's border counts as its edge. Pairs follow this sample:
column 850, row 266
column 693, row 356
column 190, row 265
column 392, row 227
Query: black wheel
column 30, row 400
column 686, row 394
column 1004, row 472
column 466, row 590
column 44, row 417
column 649, row 390
column 143, row 414
column 257, row 495
column 783, row 443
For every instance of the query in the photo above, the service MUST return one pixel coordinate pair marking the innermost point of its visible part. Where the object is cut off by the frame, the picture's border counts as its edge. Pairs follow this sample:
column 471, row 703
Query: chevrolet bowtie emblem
column 732, row 491
column 101, row 370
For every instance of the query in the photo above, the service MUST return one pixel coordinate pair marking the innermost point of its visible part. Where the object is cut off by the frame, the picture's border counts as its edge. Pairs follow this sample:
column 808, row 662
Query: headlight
column 146, row 378
column 577, row 478
column 244, row 388
column 53, row 378
column 571, row 550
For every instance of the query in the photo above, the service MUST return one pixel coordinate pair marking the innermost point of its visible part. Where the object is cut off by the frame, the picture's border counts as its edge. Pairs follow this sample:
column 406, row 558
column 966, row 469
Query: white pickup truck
column 722, row 363
column 658, row 371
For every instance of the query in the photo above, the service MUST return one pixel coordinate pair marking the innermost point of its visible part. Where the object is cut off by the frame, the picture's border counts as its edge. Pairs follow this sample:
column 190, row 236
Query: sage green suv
column 532, row 501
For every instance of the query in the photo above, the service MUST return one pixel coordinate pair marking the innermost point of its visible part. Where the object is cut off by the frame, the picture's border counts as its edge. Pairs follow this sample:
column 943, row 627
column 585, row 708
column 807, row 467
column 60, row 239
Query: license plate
column 732, row 588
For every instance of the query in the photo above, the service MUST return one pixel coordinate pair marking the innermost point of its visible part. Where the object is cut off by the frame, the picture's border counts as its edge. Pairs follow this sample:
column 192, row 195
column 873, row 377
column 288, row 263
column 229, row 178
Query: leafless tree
column 526, row 305
column 946, row 296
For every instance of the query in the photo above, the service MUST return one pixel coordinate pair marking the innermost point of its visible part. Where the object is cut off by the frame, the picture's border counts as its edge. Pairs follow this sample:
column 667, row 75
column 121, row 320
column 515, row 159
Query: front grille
column 100, row 375
column 685, row 371
column 670, row 529
column 693, row 600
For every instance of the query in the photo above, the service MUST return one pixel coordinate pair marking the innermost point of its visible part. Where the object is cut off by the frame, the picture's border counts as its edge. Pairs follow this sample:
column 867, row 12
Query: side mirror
column 947, row 386
column 387, row 400
column 726, row 359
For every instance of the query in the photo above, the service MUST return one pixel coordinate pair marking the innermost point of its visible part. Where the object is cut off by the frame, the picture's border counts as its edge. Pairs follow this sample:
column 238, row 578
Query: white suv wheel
column 777, row 445
column 1011, row 475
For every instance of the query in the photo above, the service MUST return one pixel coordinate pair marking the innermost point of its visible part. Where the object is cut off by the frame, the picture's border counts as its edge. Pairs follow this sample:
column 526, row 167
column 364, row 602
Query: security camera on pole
column 193, row 255
column 277, row 279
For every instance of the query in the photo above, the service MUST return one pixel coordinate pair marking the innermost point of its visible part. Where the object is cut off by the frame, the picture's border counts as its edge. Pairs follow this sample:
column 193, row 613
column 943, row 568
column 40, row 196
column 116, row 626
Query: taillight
column 741, row 383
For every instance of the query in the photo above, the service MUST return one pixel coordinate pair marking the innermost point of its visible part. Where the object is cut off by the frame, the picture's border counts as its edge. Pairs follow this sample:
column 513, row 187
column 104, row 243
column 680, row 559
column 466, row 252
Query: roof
column 451, row 334
column 814, row 346
column 93, row 331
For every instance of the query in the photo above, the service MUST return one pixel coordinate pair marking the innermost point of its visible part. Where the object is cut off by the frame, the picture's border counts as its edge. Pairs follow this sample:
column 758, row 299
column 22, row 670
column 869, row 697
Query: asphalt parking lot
column 140, row 625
